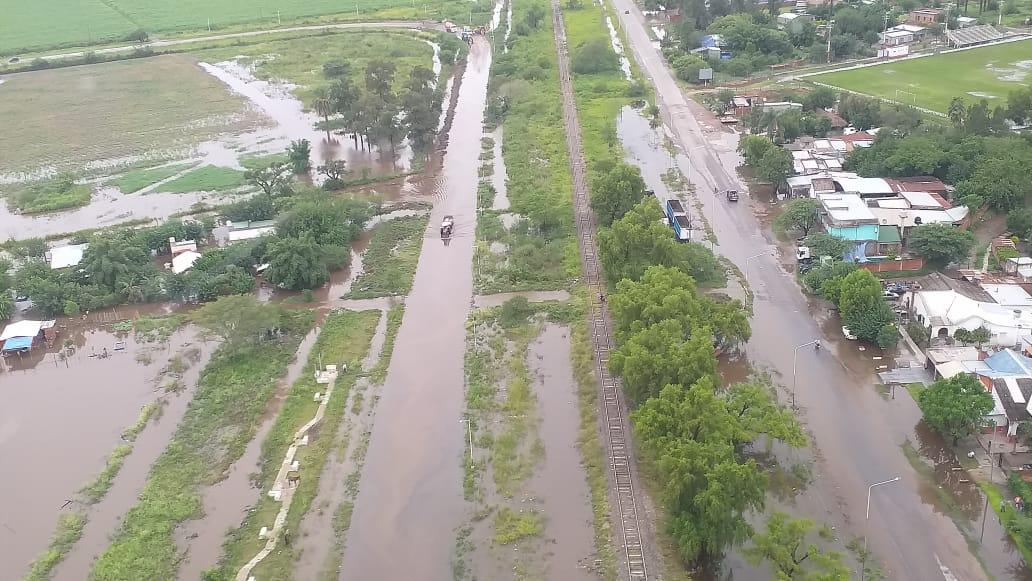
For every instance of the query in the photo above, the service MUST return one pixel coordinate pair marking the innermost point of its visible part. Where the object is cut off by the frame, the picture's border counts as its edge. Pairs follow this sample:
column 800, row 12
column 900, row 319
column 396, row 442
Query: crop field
column 70, row 117
column 29, row 25
column 931, row 82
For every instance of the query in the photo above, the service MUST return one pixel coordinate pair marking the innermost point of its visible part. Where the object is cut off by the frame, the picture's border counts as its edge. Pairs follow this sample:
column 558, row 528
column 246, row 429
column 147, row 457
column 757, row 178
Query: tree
column 535, row 13
column 784, row 546
column 955, row 406
column 379, row 78
column 754, row 407
column 800, row 214
column 1020, row 222
column 1001, row 181
column 595, row 56
column 660, row 355
column 976, row 119
column 956, row 112
column 665, row 293
column 639, row 240
column 336, row 222
column 271, row 179
column 299, row 155
column 6, row 306
column 237, row 319
column 887, row 336
column 107, row 260
column 775, row 166
column 296, row 264
column 819, row 98
column 334, row 170
column 940, row 243
column 822, row 244
column 862, row 305
column 336, row 69
column 1019, row 105
column 616, row 191
column 753, row 148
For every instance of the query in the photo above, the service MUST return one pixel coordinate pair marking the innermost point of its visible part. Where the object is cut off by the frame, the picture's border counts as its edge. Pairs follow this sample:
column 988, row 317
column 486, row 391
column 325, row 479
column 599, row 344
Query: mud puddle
column 226, row 502
column 104, row 518
column 410, row 494
column 559, row 483
column 65, row 411
column 498, row 299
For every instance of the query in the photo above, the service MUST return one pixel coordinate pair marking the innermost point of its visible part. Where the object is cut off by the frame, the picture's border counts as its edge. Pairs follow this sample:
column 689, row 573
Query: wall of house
column 894, row 265
column 855, row 233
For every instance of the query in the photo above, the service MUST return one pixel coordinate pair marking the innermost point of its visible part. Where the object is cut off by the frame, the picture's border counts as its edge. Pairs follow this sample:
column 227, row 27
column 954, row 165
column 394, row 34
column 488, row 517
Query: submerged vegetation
column 389, row 264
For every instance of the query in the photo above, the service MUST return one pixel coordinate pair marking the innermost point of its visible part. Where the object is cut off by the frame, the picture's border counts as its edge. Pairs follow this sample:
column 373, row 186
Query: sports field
column 29, row 25
column 931, row 82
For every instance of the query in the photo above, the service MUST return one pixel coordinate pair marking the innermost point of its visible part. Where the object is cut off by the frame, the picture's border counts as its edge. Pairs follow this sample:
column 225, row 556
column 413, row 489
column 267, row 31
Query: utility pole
column 831, row 27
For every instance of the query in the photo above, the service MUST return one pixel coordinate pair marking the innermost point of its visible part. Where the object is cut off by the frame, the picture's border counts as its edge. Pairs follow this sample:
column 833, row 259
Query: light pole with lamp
column 750, row 258
column 795, row 356
column 867, row 518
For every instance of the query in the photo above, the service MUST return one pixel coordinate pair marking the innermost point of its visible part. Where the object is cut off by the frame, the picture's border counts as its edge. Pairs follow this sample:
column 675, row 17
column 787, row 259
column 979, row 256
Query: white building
column 66, row 256
column 947, row 311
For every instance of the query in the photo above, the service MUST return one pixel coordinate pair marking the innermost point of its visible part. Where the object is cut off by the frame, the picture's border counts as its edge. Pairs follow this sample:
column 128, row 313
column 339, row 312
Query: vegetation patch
column 511, row 526
column 389, row 264
column 69, row 531
column 343, row 340
column 95, row 490
column 231, row 394
column 159, row 329
column 207, row 178
column 59, row 193
column 379, row 372
column 137, row 179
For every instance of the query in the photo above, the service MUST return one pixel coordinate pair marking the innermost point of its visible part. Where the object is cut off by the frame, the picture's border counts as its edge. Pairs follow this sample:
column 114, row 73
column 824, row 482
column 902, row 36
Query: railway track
column 629, row 520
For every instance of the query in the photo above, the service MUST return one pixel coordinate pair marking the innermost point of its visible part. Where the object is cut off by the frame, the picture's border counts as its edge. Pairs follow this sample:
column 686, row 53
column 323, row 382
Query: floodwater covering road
column 857, row 431
column 410, row 493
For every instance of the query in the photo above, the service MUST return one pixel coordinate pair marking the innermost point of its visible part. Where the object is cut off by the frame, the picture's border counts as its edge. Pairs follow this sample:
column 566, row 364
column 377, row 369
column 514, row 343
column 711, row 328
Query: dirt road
column 410, row 494
column 858, row 436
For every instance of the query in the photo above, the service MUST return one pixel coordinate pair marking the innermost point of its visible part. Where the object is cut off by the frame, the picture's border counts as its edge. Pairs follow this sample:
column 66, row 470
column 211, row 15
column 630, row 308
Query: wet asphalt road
column 857, row 436
column 410, row 495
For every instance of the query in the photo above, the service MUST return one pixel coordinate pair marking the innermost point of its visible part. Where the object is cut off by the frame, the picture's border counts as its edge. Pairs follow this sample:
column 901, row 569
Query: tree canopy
column 615, row 191
column 784, row 546
column 862, row 305
column 237, row 319
column 955, row 406
column 940, row 243
column 800, row 214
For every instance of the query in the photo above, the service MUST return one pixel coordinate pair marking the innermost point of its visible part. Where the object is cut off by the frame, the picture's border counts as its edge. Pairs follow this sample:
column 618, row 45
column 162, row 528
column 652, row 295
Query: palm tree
column 956, row 111
column 105, row 261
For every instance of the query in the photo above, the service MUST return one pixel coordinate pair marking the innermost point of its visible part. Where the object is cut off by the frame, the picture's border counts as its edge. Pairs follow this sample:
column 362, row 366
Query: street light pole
column 754, row 256
column 795, row 355
column 867, row 518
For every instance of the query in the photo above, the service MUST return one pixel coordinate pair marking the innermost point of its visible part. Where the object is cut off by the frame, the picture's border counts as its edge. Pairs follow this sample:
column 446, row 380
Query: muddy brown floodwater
column 62, row 417
column 559, row 482
column 105, row 516
column 410, row 492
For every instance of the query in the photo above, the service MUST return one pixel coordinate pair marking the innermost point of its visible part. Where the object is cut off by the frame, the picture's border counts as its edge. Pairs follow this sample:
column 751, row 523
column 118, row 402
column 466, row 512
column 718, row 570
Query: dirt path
column 633, row 534
column 410, row 492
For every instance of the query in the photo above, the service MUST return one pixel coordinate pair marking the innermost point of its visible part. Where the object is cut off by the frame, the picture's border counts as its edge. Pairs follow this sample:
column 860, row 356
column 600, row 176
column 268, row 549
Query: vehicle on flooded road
column 447, row 225
column 678, row 220
column 731, row 195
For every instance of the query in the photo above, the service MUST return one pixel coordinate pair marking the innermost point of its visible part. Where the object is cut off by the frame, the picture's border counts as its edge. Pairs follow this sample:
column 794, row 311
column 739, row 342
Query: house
column 947, row 311
column 847, row 216
column 184, row 261
column 250, row 230
column 66, row 256
column 966, row 21
column 181, row 246
column 896, row 37
column 925, row 16
column 20, row 337
column 778, row 106
column 1007, row 375
column 792, row 22
column 1020, row 267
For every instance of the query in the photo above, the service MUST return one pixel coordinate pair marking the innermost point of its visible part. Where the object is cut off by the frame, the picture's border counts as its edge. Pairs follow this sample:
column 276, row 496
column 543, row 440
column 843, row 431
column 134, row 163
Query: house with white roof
column 1020, row 267
column 66, row 256
column 947, row 311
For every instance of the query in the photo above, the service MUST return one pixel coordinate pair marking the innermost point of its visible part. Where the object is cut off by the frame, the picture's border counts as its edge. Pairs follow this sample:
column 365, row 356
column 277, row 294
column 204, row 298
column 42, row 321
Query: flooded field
column 64, row 415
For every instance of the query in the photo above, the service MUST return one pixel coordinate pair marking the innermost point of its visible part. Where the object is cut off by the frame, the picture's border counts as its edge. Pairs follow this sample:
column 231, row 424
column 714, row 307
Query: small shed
column 66, row 256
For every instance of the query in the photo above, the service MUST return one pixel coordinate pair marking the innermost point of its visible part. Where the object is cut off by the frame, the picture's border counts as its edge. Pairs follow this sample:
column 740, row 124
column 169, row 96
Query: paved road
column 410, row 24
column 858, row 433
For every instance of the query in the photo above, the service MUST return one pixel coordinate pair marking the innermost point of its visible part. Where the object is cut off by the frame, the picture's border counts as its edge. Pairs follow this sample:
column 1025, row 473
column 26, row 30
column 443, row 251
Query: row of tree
column 694, row 432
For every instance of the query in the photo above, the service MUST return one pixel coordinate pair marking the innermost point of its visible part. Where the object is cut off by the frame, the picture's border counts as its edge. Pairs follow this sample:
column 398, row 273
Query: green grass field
column 32, row 26
column 205, row 179
column 137, row 179
column 69, row 117
column 990, row 73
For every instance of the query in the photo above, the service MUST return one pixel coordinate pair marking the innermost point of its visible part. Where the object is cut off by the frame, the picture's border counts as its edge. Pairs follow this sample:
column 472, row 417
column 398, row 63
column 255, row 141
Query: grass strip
column 231, row 394
column 389, row 264
column 69, row 531
column 207, row 178
column 344, row 338
column 137, row 179
column 394, row 316
column 95, row 490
